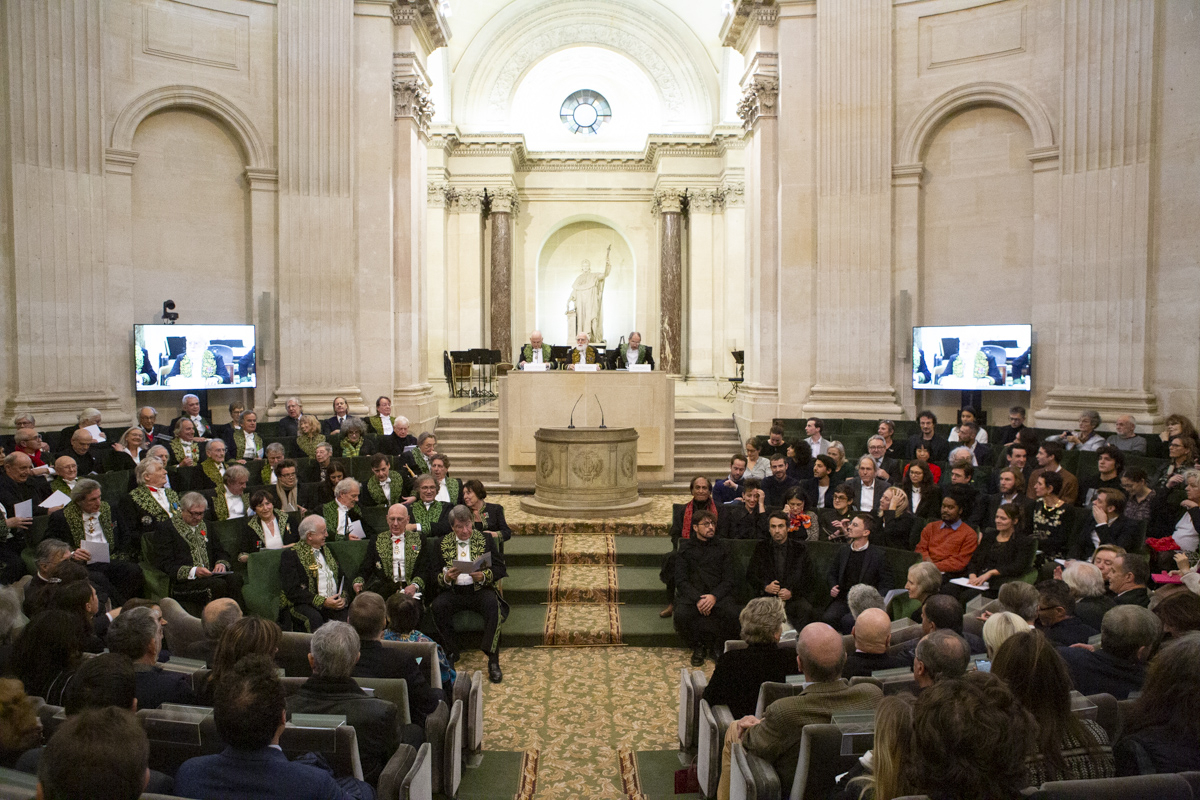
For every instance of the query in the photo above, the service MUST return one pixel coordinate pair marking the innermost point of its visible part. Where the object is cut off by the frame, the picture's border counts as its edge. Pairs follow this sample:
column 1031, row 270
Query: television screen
column 973, row 357
column 174, row 357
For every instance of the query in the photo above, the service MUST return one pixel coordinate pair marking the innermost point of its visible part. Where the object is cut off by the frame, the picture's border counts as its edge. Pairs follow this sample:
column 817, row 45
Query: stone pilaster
column 1104, row 213
column 669, row 203
column 854, row 206
column 318, row 304
column 705, row 262
column 56, row 301
column 504, row 206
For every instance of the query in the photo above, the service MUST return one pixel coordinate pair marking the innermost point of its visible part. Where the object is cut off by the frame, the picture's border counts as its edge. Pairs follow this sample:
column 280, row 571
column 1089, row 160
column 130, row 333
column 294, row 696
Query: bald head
column 820, row 653
column 66, row 468
column 81, row 438
column 218, row 616
column 872, row 631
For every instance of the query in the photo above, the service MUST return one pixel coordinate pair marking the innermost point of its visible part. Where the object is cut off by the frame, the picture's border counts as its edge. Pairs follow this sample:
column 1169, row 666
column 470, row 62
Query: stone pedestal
column 586, row 472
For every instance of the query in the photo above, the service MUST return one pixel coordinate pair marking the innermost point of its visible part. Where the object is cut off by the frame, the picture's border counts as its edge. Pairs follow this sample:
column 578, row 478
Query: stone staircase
column 703, row 446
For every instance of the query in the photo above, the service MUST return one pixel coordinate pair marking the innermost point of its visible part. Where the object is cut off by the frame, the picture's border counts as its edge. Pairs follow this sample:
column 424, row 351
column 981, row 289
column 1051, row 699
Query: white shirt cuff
column 192, row 573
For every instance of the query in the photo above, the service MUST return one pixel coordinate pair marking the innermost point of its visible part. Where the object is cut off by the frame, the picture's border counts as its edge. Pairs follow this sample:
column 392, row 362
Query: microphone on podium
column 572, row 425
column 602, row 425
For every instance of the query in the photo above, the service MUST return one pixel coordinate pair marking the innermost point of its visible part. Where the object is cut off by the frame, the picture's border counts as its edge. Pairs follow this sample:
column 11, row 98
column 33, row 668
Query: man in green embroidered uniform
column 382, row 421
column 431, row 516
column 312, row 580
column 633, row 353
column 343, row 511
column 449, row 489
column 398, row 560
column 381, row 489
column 88, row 526
column 150, row 503
column 416, row 461
column 194, row 561
column 469, row 591
column 536, row 352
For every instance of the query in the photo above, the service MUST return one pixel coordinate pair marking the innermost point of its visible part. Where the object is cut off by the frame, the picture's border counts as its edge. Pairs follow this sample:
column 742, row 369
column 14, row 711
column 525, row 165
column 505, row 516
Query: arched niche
column 559, row 264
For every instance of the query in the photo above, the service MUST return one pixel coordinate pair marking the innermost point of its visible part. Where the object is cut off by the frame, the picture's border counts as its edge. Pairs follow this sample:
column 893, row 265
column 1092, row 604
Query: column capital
column 760, row 90
column 733, row 194
column 504, row 201
column 669, row 201
column 438, row 194
column 410, row 88
column 466, row 201
column 705, row 201
column 425, row 18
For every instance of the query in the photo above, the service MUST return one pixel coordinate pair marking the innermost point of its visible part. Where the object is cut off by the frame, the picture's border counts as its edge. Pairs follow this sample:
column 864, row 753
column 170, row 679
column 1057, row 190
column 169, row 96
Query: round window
column 584, row 112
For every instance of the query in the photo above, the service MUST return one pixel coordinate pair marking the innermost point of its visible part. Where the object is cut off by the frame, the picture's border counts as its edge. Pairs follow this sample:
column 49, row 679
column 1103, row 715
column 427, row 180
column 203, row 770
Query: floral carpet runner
column 583, row 592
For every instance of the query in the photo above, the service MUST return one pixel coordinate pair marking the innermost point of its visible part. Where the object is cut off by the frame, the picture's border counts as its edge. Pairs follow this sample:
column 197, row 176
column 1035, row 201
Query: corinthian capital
column 504, row 201
column 669, row 201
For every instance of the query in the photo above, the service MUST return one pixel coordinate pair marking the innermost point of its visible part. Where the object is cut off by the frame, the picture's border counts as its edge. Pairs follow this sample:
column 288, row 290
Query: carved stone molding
column 466, row 201
column 705, row 201
column 744, row 19
column 438, row 195
column 426, row 20
column 669, row 201
column 733, row 195
column 760, row 90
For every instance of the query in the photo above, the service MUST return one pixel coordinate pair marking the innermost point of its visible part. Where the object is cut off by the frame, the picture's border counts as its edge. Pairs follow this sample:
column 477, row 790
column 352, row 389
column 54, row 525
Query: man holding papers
column 98, row 539
column 536, row 353
column 343, row 517
column 199, row 568
column 313, row 583
column 468, row 566
column 20, row 494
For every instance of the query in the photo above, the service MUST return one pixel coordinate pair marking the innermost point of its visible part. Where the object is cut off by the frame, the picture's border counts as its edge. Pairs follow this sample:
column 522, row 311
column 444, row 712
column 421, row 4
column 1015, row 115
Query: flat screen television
column 973, row 358
column 175, row 357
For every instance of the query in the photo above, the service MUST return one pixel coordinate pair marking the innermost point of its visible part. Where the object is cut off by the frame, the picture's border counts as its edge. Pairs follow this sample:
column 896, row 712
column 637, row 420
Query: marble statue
column 587, row 299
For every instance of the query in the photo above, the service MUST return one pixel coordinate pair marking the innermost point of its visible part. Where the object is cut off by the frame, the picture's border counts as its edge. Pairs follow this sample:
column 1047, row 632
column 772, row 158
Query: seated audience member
column 1087, row 586
column 820, row 656
column 923, row 581
column 774, row 444
column 739, row 673
column 938, row 448
column 1127, row 579
column 1139, row 497
column 843, row 469
column 998, row 628
column 893, row 448
column 334, row 650
column 1016, row 424
column 1056, row 615
column 404, row 615
column 1182, row 455
column 886, row 468
column 352, row 441
column 398, row 441
column 17, row 485
column 960, row 479
column 137, row 635
column 1009, row 489
column 273, row 456
column 10, row 617
column 382, row 490
column 856, row 562
column 368, row 617
column 66, row 475
column 970, row 739
column 1049, row 458
column 398, row 559
column 756, row 465
column 216, row 618
column 799, row 461
column 100, row 754
column 449, row 489
column 1128, row 638
column 88, row 520
column 213, row 468
column 1051, row 520
column 49, row 554
column 127, row 452
column 473, row 591
column 729, row 488
column 310, row 434
column 836, row 519
column 777, row 484
column 950, row 543
column 341, row 412
column 780, row 568
column 268, row 528
column 863, row 596
column 1106, row 524
column 246, row 443
column 896, row 519
column 582, row 351
column 881, row 772
column 1020, row 598
column 820, row 486
column 1003, row 554
column 745, row 518
column 78, row 597
column 486, row 517
column 343, row 511
column 230, row 500
column 1179, row 613
column 924, row 495
column 1086, row 438
column 431, row 516
column 247, row 637
column 312, row 580
column 706, row 610
column 977, row 451
column 151, row 503
column 1162, row 730
column 290, row 424
column 199, row 568
column 940, row 655
column 867, row 487
column 967, row 415
column 79, row 450
column 286, row 494
column 1178, row 532
column 46, row 653
column 29, row 442
column 1109, row 463
column 1105, row 556
column 872, row 634
column 944, row 613
column 1125, row 439
column 801, row 524
column 329, row 472
column 250, row 711
column 814, row 436
column 681, row 529
column 416, row 461
column 20, row 728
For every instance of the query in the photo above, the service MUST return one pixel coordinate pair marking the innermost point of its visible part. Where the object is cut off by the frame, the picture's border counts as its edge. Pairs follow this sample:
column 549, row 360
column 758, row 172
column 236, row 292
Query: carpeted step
column 641, row 586
column 527, row 585
column 650, row 774
column 642, row 551
column 642, row 627
column 524, row 626
column 499, row 775
column 529, row 551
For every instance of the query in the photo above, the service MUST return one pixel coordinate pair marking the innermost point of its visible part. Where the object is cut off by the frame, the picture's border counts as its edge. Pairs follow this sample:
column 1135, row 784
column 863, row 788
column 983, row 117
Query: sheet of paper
column 532, row 367
column 478, row 564
column 587, row 367
column 893, row 594
column 97, row 434
column 356, row 530
column 24, row 509
column 98, row 551
column 983, row 587
column 56, row 499
column 640, row 368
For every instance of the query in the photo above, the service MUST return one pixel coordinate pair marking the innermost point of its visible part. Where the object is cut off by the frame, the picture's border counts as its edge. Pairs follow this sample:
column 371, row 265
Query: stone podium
column 586, row 472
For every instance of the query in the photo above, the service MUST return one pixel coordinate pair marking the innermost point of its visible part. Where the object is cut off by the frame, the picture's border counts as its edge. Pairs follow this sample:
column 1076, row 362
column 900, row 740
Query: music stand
column 460, row 361
column 739, row 362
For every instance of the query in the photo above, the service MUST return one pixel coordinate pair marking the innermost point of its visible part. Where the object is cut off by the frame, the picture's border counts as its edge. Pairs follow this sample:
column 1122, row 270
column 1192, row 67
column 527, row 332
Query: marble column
column 854, row 206
column 61, row 357
column 318, row 304
column 1107, row 169
column 669, row 205
column 503, row 208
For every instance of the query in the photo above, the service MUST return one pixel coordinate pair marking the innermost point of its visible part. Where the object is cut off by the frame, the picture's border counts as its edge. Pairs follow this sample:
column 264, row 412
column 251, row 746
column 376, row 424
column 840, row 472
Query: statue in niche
column 586, row 303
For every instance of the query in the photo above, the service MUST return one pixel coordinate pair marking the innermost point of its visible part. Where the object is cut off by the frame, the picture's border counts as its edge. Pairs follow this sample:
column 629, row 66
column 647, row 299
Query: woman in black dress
column 1002, row 554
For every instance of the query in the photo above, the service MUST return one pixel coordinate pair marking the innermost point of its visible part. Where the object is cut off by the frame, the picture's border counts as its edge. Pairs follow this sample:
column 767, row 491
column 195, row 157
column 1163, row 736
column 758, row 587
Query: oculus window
column 584, row 112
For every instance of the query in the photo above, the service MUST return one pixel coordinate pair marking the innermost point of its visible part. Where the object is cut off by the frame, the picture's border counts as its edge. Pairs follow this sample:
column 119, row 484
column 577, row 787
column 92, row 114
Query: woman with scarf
column 801, row 524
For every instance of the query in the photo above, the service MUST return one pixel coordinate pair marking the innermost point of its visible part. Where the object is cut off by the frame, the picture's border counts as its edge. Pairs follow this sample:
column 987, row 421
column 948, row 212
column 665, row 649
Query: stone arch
column 969, row 95
column 254, row 147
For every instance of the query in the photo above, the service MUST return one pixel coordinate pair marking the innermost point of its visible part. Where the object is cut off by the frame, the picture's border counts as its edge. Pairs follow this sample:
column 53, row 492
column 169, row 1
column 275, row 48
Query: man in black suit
column 1129, row 635
column 341, row 412
column 780, row 568
column 981, row 454
column 775, row 485
column 79, row 450
column 368, row 617
column 1056, row 615
column 1107, row 525
column 938, row 447
column 18, row 485
column 706, row 609
column 195, row 562
column 872, row 633
column 728, row 488
column 137, row 634
column 867, row 488
column 50, row 553
column 1110, row 463
column 153, row 432
column 856, row 562
column 886, row 468
column 290, row 424
column 746, row 517
column 190, row 409
column 1128, row 578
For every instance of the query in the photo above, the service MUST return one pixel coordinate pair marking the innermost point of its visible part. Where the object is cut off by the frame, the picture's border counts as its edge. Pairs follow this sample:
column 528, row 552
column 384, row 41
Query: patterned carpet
column 583, row 592
column 575, row 711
